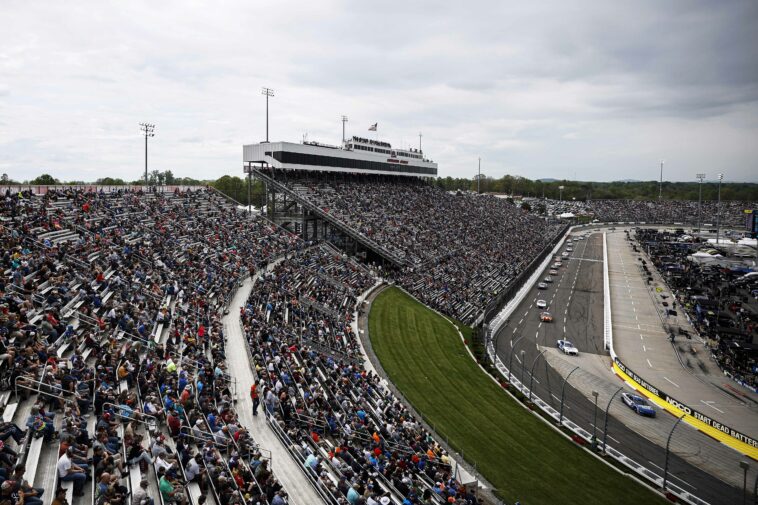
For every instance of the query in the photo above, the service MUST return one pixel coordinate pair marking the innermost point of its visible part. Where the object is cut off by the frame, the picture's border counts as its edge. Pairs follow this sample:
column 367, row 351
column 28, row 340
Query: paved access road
column 575, row 300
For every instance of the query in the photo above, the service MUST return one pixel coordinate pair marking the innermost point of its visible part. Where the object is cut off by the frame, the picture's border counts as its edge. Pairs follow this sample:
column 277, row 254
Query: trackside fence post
column 563, row 394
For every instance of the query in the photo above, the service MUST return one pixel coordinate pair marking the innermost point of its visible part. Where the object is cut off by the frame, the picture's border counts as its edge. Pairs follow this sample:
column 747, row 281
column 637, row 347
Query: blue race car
column 638, row 404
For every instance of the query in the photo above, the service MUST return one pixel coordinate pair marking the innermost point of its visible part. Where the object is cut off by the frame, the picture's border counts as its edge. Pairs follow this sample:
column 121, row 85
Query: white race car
column 541, row 304
column 567, row 348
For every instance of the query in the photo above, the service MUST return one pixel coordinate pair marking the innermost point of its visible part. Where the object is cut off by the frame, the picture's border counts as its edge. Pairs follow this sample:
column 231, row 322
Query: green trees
column 45, row 180
column 236, row 188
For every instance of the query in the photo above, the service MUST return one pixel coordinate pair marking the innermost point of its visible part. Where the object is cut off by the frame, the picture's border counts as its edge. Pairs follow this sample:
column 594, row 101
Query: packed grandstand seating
column 664, row 211
column 460, row 249
column 110, row 335
column 112, row 347
column 112, row 350
column 719, row 301
column 346, row 428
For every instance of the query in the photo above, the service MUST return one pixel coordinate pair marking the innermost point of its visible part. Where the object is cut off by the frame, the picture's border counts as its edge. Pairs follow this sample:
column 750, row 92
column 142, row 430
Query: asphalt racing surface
column 575, row 300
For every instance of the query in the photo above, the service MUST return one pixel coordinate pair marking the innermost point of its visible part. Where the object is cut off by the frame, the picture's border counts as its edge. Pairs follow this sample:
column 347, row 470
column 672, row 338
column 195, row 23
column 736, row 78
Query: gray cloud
column 600, row 90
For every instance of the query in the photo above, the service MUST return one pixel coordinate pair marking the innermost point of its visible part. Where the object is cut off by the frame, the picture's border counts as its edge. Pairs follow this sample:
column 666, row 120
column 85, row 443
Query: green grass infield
column 522, row 457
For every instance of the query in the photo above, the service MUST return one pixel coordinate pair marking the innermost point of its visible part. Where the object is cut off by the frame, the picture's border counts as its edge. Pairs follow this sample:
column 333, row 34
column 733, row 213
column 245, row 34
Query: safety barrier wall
column 607, row 325
column 721, row 432
column 514, row 287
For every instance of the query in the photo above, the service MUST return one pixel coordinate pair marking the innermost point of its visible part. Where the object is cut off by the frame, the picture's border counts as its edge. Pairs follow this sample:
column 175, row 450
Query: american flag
column 372, row 128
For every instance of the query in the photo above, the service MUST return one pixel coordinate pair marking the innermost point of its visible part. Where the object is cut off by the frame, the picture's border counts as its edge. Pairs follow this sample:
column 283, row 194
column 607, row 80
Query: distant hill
column 548, row 179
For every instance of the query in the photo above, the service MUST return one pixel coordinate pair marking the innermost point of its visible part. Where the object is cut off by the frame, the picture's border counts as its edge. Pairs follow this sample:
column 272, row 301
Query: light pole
column 560, row 189
column 510, row 359
column 718, row 213
column 249, row 172
column 531, row 373
column 563, row 392
column 344, row 120
column 479, row 177
column 744, row 465
column 419, row 143
column 700, row 177
column 660, row 184
column 267, row 92
column 148, row 130
column 605, row 423
column 594, row 421
column 668, row 443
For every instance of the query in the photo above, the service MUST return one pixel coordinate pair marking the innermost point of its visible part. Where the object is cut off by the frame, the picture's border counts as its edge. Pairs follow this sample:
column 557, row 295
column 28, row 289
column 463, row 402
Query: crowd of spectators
column 349, row 432
column 460, row 249
column 654, row 211
column 110, row 325
column 719, row 301
column 110, row 332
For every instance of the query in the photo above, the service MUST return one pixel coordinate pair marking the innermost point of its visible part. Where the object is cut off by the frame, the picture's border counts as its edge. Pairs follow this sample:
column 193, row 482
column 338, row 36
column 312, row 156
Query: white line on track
column 672, row 382
column 711, row 406
column 644, row 348
column 649, row 364
column 674, row 476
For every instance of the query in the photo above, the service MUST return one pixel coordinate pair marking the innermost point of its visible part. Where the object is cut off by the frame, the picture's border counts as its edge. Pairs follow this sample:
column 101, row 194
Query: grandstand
column 455, row 252
column 113, row 345
column 113, row 349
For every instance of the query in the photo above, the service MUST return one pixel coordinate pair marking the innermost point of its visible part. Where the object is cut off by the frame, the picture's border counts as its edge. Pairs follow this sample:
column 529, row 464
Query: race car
column 548, row 279
column 541, row 304
column 545, row 317
column 553, row 271
column 541, row 285
column 568, row 348
column 638, row 404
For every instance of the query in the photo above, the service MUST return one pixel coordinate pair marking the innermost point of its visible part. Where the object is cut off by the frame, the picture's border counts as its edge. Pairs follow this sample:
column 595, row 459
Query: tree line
column 236, row 187
column 232, row 186
column 619, row 190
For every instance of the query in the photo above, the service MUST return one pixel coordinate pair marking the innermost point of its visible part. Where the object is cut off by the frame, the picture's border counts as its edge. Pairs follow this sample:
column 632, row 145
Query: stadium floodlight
column 700, row 177
column 660, row 184
column 344, row 120
column 560, row 189
column 267, row 92
column 148, row 130
column 718, row 212
column 479, row 172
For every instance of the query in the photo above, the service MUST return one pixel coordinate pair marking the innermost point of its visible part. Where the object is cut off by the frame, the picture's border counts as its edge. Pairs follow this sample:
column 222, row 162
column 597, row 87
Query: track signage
column 712, row 423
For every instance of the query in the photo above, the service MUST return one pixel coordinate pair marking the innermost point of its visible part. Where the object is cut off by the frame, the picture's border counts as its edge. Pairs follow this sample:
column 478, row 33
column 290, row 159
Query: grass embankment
column 521, row 456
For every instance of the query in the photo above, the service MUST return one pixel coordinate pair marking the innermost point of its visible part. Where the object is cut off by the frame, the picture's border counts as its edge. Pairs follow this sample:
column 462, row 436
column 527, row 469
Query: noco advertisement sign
column 686, row 409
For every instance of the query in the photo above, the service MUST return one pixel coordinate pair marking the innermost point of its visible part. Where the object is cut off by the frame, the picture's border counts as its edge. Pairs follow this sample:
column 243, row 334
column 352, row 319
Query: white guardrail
column 499, row 320
column 607, row 325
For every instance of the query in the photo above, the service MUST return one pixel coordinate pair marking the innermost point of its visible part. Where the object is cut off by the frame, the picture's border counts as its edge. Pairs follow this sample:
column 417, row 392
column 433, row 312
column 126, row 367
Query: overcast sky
column 585, row 90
